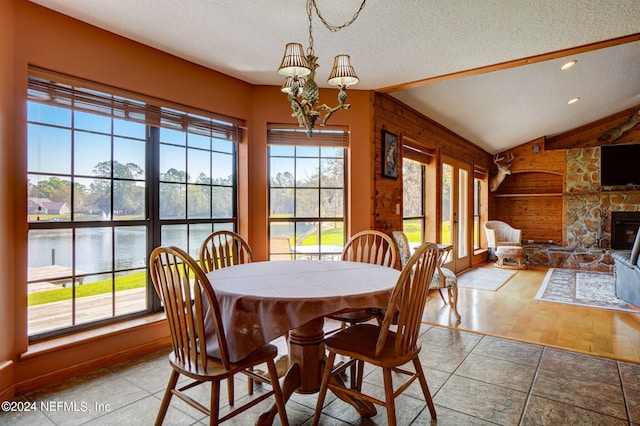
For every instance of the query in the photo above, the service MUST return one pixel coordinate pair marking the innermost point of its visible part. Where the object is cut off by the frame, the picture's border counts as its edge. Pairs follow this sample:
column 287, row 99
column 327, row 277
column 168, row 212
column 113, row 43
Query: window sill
column 88, row 336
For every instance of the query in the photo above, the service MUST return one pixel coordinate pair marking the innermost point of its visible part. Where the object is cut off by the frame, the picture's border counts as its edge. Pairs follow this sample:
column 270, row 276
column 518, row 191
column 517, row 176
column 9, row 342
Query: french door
column 456, row 219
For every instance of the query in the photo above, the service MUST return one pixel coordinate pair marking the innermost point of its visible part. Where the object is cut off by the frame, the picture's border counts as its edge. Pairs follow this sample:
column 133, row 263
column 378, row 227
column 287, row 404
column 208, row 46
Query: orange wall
column 57, row 42
column 54, row 41
column 358, row 118
column 7, row 316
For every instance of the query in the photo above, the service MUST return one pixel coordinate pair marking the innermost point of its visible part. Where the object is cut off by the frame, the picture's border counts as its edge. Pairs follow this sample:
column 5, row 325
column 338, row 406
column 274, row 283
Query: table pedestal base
column 307, row 358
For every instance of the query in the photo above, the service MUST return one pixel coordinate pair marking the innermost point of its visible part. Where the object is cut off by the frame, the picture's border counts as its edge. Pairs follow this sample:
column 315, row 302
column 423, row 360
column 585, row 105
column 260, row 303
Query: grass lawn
column 126, row 282
column 332, row 236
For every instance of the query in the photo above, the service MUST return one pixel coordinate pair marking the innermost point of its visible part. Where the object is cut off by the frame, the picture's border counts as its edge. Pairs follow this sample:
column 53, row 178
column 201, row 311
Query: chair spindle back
column 224, row 248
column 370, row 246
column 186, row 293
column 409, row 298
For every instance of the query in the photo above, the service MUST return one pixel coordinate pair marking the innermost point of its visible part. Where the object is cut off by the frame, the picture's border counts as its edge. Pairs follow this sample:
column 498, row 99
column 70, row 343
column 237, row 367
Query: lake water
column 101, row 250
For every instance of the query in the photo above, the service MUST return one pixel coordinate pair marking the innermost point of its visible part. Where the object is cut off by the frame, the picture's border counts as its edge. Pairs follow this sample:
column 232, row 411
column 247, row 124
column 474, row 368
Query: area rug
column 584, row 288
column 485, row 278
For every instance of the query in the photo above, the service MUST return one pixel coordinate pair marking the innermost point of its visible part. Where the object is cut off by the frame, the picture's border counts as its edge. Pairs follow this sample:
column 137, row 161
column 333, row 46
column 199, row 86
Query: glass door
column 456, row 217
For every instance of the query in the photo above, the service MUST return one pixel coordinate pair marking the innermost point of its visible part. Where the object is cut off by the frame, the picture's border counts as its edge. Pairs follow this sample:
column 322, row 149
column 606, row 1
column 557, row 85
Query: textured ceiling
column 393, row 43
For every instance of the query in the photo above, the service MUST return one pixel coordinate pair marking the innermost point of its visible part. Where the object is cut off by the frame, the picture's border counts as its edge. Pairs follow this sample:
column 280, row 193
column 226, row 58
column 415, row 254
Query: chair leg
column 353, row 371
column 389, row 398
column 360, row 375
column 173, row 379
column 424, row 386
column 277, row 392
column 230, row 390
column 323, row 387
column 215, row 402
column 250, row 384
column 453, row 301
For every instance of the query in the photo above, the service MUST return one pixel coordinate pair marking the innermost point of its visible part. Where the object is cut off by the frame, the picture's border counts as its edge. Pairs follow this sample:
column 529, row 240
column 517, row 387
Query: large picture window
column 307, row 193
column 110, row 177
column 413, row 219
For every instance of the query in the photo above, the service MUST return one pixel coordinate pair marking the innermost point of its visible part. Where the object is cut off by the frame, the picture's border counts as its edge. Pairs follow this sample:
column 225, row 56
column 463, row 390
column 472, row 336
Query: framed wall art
column 389, row 155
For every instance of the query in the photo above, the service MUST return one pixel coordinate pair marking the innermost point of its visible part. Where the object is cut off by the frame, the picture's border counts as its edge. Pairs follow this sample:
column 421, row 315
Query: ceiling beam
column 515, row 63
column 587, row 136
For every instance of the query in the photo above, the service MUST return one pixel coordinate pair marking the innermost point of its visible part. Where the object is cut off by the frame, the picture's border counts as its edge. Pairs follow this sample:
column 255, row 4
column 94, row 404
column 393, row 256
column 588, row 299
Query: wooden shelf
column 558, row 194
column 616, row 192
column 550, row 194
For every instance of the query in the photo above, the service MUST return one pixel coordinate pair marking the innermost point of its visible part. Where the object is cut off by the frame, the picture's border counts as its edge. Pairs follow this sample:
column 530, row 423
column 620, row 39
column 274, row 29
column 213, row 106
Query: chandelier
column 300, row 72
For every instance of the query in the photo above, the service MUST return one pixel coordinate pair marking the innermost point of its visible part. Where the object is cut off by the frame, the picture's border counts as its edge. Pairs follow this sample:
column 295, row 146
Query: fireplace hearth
column 624, row 227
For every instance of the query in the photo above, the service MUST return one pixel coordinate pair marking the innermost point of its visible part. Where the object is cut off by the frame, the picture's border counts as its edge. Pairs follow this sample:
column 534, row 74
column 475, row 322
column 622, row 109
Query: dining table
column 262, row 301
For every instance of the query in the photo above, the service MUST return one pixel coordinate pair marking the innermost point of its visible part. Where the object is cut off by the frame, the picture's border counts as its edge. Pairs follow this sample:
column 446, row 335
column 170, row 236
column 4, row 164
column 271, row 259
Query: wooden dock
column 50, row 277
column 51, row 316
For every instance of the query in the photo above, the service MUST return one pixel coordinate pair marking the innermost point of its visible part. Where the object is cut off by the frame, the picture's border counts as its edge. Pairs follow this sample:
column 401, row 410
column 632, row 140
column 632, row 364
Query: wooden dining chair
column 187, row 294
column 220, row 250
column 382, row 347
column 372, row 247
column 224, row 248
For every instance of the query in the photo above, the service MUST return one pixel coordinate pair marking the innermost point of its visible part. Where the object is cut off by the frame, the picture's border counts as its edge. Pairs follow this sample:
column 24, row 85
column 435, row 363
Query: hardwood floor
column 513, row 313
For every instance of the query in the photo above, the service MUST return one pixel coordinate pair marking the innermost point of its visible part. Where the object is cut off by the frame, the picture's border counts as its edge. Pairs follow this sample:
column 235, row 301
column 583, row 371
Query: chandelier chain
column 309, row 10
column 311, row 6
column 335, row 28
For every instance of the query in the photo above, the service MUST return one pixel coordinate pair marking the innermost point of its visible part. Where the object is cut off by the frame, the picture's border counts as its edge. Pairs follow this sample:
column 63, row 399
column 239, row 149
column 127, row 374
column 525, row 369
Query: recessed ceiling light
column 573, row 101
column 568, row 65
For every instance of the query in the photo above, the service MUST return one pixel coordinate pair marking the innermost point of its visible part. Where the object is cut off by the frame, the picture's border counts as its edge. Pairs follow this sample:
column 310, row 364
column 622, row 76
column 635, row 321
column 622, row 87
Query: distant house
column 46, row 206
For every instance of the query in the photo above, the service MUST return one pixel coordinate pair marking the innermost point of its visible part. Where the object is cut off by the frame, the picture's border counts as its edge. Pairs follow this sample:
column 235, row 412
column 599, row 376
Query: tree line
column 93, row 196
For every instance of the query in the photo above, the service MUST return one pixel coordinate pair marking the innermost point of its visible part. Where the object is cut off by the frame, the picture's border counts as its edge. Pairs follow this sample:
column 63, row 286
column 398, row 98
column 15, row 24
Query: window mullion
column 153, row 204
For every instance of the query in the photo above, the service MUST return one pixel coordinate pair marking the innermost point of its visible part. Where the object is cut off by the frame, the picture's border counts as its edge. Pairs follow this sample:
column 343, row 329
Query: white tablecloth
column 261, row 301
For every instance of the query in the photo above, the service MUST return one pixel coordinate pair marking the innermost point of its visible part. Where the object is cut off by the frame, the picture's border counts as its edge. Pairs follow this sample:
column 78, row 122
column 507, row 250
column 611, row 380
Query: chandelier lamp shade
column 294, row 62
column 299, row 70
column 342, row 73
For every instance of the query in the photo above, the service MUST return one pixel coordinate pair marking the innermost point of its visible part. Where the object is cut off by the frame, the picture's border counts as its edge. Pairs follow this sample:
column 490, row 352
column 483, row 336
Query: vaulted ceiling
column 488, row 70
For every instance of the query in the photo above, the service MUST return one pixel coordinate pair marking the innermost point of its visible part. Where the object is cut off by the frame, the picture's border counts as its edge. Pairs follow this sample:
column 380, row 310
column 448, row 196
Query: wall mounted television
column 620, row 165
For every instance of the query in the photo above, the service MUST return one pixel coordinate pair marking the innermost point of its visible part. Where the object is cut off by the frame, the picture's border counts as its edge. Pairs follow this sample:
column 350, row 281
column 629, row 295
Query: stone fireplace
column 589, row 207
column 593, row 227
column 624, row 227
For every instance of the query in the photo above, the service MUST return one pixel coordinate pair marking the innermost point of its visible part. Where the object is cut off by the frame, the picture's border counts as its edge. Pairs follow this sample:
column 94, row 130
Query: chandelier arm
column 297, row 110
column 334, row 28
column 330, row 111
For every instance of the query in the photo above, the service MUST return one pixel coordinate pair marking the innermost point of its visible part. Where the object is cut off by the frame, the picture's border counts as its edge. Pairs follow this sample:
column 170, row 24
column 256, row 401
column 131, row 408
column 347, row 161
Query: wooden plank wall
column 539, row 218
column 397, row 118
column 531, row 198
column 537, row 182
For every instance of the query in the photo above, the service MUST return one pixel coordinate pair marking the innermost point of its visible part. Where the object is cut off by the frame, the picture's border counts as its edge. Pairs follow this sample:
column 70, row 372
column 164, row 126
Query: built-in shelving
column 549, row 194
column 557, row 194
column 617, row 191
column 533, row 201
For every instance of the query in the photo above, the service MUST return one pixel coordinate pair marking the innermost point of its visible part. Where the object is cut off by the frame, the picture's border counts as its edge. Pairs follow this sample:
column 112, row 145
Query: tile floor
column 474, row 380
